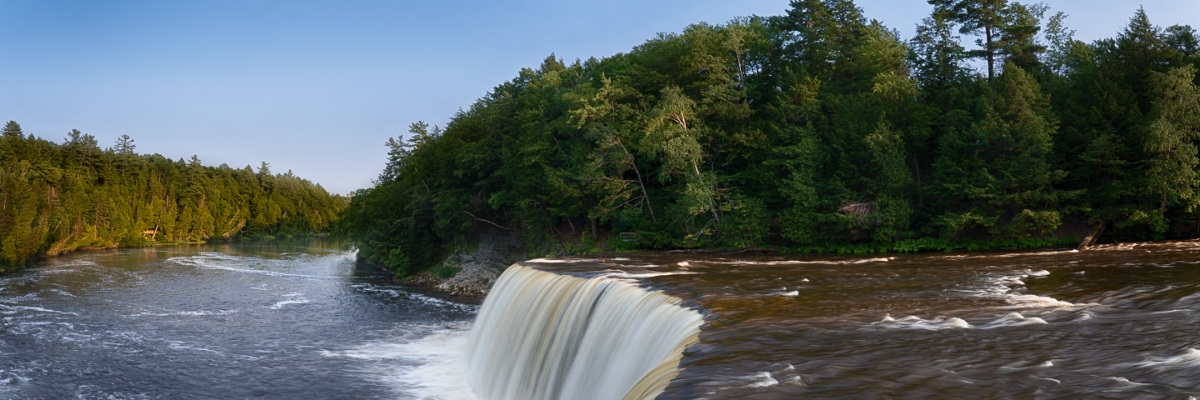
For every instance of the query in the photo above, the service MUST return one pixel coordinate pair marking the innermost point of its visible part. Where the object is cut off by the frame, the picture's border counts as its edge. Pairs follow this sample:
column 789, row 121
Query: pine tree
column 13, row 130
column 985, row 18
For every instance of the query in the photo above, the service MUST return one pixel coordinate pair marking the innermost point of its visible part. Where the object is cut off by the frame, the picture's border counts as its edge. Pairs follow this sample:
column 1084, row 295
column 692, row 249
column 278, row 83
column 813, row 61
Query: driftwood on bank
column 1091, row 237
column 860, row 209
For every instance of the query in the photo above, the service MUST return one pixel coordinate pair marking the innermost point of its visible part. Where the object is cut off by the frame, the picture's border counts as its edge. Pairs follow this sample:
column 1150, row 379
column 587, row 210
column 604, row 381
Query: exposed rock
column 478, row 269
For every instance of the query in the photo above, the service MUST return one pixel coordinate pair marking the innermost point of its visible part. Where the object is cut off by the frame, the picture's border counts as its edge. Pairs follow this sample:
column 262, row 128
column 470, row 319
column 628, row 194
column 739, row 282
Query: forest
column 817, row 130
column 59, row 197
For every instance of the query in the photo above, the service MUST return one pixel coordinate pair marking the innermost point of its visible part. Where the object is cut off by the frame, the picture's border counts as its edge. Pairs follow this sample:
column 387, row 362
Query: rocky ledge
column 478, row 269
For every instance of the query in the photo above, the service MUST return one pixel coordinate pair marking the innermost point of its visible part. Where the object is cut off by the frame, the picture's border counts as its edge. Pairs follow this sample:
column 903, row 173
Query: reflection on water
column 274, row 320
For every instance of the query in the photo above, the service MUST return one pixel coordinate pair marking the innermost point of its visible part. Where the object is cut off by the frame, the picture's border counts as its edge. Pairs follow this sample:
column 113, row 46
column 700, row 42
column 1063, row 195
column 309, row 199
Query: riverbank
column 470, row 274
column 50, row 254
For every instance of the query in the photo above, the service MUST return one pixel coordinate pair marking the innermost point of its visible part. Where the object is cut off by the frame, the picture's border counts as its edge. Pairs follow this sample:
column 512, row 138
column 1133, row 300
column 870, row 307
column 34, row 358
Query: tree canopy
column 58, row 197
column 813, row 130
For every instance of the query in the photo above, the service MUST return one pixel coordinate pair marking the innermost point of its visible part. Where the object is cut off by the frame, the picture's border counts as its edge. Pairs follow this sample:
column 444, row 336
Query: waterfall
column 541, row 335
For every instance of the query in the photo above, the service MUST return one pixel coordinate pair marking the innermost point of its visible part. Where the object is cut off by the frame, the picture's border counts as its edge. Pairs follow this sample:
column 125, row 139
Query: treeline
column 58, row 197
column 814, row 130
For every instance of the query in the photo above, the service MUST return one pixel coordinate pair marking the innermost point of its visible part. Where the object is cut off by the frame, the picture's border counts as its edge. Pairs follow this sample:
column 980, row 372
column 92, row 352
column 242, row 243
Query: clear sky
column 318, row 87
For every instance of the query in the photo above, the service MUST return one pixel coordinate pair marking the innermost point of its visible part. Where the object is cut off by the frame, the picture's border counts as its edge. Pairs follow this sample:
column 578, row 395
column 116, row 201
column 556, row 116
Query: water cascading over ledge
column 541, row 335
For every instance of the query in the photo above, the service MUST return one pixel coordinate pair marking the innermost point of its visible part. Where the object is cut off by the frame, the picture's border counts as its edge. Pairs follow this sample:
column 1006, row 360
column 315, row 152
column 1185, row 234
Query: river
column 290, row 320
column 301, row 321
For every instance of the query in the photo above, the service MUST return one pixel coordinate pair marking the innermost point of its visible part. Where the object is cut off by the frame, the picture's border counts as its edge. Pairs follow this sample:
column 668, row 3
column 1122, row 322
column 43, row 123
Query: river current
column 294, row 320
column 301, row 320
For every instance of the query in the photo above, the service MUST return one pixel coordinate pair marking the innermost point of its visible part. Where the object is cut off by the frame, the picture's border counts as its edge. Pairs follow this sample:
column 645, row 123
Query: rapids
column 291, row 320
column 300, row 320
column 1110, row 322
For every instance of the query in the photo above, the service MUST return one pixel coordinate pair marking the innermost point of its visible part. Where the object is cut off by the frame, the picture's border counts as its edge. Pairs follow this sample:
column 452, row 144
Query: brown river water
column 1119, row 321
column 300, row 320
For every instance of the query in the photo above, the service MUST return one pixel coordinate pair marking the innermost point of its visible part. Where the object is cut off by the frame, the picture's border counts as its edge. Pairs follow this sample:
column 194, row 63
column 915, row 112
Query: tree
column 935, row 50
column 1061, row 40
column 1184, row 39
column 125, row 146
column 986, row 17
column 13, row 130
column 893, row 181
column 998, row 169
column 675, row 134
column 1018, row 39
column 1171, row 141
column 56, row 198
column 827, row 32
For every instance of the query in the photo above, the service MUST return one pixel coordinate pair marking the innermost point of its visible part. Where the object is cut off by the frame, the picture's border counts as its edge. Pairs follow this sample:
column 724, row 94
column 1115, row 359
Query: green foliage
column 745, row 223
column 446, row 272
column 817, row 130
column 58, row 197
column 999, row 167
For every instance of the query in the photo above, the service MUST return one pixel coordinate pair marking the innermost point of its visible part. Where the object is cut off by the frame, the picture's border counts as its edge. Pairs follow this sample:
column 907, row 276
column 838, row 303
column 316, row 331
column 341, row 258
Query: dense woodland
column 817, row 130
column 58, row 197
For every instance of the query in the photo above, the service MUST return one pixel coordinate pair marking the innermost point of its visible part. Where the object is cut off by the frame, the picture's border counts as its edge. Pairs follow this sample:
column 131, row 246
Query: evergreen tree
column 1018, row 39
column 125, row 146
column 996, row 176
column 56, row 198
column 985, row 18
column 935, row 50
column 13, row 130
column 817, row 129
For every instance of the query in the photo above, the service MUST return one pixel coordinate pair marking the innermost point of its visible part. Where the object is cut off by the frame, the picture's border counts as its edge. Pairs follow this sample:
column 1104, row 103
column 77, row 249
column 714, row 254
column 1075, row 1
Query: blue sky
column 317, row 87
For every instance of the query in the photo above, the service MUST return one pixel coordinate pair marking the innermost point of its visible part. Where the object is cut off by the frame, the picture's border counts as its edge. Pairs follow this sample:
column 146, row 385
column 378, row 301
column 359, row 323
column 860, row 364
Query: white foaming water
column 563, row 260
column 415, row 296
column 61, row 292
column 804, row 262
column 628, row 275
column 1189, row 359
column 1014, row 319
column 14, row 309
column 184, row 313
column 1083, row 315
column 762, row 380
column 1001, row 286
column 1047, row 379
column 429, row 367
column 541, row 335
column 280, row 304
column 936, row 324
column 212, row 261
column 1031, row 300
column 915, row 322
column 1126, row 381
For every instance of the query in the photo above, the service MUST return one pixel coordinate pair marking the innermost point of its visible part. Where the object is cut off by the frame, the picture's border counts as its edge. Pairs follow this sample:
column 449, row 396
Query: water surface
column 300, row 320
column 1115, row 322
column 280, row 320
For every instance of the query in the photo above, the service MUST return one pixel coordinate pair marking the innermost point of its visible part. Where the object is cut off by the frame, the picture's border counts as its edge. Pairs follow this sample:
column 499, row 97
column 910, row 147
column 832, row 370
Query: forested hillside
column 61, row 197
column 814, row 130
